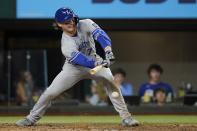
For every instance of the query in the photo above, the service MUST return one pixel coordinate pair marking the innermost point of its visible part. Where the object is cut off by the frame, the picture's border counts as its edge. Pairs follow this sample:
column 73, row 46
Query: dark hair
column 156, row 67
column 119, row 71
column 55, row 26
column 159, row 90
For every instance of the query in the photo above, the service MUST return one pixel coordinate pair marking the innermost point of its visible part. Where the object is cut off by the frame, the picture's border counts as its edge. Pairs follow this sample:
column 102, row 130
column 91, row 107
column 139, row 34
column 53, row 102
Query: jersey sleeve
column 97, row 33
column 89, row 25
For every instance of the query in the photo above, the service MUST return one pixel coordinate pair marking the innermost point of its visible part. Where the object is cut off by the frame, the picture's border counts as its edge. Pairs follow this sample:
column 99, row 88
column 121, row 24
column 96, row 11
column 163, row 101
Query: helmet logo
column 67, row 12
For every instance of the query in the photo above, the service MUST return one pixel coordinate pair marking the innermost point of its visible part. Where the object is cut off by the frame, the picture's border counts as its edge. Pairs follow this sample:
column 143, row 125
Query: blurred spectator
column 147, row 89
column 98, row 96
column 160, row 96
column 24, row 89
column 119, row 77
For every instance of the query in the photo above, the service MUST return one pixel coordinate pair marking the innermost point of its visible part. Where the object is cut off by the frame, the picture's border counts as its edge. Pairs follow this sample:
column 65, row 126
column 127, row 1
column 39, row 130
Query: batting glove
column 110, row 56
column 98, row 62
column 101, row 61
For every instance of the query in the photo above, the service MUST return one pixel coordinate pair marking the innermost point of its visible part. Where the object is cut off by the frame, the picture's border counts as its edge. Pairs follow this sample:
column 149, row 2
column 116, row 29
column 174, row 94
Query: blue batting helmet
column 65, row 14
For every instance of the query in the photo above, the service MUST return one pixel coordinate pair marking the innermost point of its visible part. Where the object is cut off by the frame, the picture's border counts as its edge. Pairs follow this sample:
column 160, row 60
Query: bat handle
column 96, row 69
column 104, row 64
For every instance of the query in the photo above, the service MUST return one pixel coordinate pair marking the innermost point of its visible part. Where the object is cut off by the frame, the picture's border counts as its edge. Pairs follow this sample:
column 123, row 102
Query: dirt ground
column 99, row 127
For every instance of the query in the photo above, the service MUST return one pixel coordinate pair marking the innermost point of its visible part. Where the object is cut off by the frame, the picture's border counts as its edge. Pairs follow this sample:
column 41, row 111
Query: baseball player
column 78, row 47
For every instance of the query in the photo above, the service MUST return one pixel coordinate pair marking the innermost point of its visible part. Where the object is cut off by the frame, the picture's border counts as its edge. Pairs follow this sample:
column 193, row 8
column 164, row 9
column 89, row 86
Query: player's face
column 68, row 26
column 118, row 78
column 160, row 97
column 155, row 75
column 28, row 76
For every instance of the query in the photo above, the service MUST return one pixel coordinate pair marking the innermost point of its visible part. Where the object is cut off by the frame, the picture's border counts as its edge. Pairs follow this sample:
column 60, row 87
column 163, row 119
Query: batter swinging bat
column 97, row 68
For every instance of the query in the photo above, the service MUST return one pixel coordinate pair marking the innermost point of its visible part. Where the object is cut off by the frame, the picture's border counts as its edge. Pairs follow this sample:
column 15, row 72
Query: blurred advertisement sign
column 113, row 9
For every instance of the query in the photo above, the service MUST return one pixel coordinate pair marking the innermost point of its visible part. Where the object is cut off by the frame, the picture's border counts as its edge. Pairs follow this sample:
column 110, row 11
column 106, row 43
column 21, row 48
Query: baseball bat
column 97, row 68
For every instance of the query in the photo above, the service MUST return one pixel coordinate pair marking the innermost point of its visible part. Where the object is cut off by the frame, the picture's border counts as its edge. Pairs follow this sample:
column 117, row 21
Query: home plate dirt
column 100, row 127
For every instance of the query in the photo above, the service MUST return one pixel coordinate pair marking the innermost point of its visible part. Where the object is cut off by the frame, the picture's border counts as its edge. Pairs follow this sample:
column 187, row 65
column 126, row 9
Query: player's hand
column 101, row 61
column 110, row 56
column 98, row 62
column 107, row 62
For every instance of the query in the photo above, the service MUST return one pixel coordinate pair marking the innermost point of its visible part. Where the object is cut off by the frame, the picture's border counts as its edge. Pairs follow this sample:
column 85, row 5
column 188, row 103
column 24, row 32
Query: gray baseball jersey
column 83, row 42
column 71, row 74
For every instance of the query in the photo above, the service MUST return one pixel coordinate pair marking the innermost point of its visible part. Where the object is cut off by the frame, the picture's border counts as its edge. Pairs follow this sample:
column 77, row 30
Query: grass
column 149, row 119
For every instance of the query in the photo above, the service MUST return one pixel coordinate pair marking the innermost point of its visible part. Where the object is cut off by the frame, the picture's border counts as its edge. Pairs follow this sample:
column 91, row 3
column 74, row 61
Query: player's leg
column 63, row 81
column 106, row 76
column 118, row 102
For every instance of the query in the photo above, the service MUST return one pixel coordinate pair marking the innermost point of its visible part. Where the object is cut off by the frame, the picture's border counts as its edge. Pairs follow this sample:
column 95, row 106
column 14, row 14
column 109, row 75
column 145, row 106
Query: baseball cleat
column 24, row 122
column 130, row 122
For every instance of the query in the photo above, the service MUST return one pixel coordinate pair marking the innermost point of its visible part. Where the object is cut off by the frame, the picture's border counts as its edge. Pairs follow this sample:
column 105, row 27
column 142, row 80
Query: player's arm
column 101, row 37
column 78, row 58
column 74, row 56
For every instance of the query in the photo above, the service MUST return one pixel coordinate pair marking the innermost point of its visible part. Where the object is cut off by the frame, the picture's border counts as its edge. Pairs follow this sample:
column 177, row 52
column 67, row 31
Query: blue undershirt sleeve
column 78, row 58
column 100, row 36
